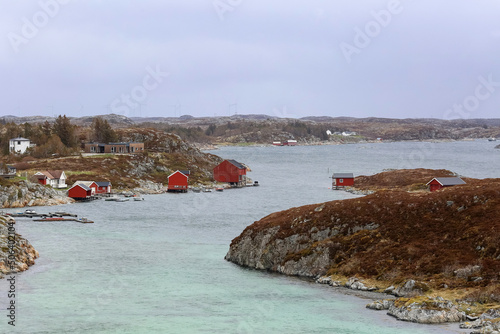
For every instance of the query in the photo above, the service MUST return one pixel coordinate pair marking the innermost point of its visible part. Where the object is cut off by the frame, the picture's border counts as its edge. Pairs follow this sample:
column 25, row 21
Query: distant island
column 265, row 129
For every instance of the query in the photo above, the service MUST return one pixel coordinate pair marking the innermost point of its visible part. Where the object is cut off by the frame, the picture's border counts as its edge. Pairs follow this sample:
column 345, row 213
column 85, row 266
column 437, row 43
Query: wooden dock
column 49, row 217
column 41, row 215
column 55, row 219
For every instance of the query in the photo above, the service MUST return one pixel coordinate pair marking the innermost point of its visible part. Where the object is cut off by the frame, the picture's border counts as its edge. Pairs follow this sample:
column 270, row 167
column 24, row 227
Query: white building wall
column 18, row 145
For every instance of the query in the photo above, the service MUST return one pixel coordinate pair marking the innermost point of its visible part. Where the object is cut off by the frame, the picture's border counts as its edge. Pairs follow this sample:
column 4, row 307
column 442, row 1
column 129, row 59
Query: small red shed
column 441, row 182
column 79, row 192
column 342, row 180
column 103, row 187
column 178, row 182
column 231, row 171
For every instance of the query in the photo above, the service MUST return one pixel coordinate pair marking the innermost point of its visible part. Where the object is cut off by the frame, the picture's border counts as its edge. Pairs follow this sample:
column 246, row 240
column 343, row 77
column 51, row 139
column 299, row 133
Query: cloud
column 263, row 54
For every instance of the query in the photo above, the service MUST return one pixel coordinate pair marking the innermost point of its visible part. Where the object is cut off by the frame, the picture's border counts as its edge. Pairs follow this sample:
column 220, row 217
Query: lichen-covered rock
column 328, row 280
column 379, row 305
column 487, row 323
column 31, row 194
column 426, row 311
column 355, row 284
column 149, row 187
column 14, row 248
column 410, row 287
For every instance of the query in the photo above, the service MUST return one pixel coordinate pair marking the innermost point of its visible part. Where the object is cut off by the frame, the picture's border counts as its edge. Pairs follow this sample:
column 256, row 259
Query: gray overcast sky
column 289, row 58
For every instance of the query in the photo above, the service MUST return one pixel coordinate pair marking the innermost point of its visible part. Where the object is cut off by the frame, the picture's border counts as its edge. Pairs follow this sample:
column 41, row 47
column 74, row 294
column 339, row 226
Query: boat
column 207, row 190
column 52, row 218
column 123, row 199
column 492, row 139
column 219, row 189
column 114, row 199
column 138, row 198
column 196, row 189
column 256, row 183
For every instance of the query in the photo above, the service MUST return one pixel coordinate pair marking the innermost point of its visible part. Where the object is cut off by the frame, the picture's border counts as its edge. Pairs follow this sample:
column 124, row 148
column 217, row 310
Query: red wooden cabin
column 441, row 182
column 79, row 192
column 231, row 171
column 342, row 180
column 91, row 184
column 178, row 182
column 103, row 187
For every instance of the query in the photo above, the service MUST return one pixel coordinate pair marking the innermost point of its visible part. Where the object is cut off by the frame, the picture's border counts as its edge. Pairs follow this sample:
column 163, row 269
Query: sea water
column 157, row 266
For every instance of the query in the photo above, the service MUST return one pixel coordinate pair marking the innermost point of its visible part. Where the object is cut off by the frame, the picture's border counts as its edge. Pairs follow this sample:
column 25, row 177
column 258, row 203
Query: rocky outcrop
column 16, row 253
column 31, row 194
column 265, row 250
column 426, row 311
column 389, row 235
column 409, row 243
column 379, row 305
column 487, row 323
column 149, row 187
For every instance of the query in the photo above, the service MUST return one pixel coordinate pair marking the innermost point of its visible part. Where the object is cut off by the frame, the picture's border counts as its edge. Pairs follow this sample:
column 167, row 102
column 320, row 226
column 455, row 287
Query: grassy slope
column 165, row 153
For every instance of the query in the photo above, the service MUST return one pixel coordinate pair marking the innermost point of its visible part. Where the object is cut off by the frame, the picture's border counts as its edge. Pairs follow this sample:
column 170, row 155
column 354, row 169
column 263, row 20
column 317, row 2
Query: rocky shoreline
column 31, row 194
column 16, row 253
column 406, row 303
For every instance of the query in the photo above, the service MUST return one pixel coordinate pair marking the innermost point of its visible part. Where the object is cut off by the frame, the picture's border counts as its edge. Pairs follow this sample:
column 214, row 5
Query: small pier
column 55, row 219
column 33, row 214
column 49, row 217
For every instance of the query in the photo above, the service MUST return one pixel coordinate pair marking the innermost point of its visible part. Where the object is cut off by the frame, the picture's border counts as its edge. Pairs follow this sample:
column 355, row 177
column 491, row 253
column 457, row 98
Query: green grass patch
column 82, row 172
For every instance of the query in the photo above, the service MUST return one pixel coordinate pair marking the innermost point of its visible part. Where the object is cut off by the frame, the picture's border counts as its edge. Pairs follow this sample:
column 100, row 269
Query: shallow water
column 157, row 266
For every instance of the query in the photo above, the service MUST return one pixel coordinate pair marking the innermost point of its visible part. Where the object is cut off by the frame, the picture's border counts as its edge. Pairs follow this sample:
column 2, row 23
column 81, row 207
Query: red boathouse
column 441, row 182
column 232, row 172
column 178, row 182
column 80, row 192
column 342, row 180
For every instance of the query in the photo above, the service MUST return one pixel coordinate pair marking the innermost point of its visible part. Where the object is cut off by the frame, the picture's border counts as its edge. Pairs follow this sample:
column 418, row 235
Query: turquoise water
column 157, row 266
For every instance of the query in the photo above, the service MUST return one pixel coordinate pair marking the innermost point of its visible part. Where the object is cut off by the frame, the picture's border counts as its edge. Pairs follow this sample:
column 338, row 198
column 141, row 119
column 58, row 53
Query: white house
column 19, row 145
column 53, row 178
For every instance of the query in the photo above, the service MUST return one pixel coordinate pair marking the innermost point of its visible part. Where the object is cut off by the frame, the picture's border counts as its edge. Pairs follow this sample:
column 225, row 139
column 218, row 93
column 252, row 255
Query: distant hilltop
column 264, row 129
column 124, row 120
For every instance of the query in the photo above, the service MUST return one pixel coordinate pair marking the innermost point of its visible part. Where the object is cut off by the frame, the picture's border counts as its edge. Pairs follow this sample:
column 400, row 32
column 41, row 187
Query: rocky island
column 437, row 252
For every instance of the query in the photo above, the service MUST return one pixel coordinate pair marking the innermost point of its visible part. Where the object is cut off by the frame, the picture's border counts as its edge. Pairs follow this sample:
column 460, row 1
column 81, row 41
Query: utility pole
column 235, row 105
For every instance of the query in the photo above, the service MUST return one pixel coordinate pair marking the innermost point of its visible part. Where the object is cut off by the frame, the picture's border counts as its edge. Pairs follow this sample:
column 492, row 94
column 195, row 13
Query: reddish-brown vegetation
column 450, row 237
column 403, row 179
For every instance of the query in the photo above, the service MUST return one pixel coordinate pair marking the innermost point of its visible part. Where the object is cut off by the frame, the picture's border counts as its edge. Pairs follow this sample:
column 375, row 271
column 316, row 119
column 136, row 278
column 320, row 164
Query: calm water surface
column 157, row 266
